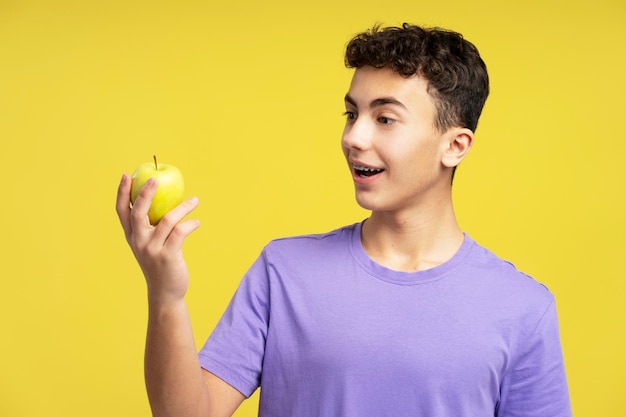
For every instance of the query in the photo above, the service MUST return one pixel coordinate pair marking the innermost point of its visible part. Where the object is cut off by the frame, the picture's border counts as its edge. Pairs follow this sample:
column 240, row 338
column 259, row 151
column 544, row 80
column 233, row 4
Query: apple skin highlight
column 169, row 192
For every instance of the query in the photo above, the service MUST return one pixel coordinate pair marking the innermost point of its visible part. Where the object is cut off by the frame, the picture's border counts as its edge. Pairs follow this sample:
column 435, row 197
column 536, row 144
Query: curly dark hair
column 456, row 74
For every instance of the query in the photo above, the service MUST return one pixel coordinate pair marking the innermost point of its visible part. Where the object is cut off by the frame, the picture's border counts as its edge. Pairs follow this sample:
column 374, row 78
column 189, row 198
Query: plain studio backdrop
column 246, row 98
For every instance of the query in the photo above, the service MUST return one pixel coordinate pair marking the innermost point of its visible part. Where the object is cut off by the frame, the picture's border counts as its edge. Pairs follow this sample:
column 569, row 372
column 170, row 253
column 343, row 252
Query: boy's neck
column 412, row 241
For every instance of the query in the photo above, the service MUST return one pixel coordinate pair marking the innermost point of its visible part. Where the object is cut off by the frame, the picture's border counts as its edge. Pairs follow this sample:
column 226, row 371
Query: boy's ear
column 457, row 144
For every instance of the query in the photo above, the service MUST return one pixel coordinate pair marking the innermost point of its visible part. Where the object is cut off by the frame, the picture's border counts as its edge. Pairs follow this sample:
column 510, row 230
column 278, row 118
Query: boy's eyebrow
column 350, row 100
column 377, row 102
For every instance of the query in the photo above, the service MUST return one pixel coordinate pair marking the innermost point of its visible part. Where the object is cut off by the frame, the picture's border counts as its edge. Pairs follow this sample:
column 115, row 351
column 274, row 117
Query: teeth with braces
column 366, row 169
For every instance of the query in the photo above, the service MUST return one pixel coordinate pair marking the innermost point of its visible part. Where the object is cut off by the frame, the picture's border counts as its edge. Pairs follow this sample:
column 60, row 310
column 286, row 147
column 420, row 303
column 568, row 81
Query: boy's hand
column 158, row 249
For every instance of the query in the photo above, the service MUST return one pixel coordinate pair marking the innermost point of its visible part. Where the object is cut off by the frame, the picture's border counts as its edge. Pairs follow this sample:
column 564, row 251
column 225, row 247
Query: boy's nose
column 357, row 135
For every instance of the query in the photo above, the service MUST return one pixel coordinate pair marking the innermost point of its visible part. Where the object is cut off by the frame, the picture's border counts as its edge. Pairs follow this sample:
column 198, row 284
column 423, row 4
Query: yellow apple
column 170, row 187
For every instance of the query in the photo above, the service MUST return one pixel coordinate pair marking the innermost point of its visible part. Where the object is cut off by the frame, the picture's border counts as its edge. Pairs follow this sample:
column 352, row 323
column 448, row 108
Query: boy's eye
column 350, row 115
column 385, row 120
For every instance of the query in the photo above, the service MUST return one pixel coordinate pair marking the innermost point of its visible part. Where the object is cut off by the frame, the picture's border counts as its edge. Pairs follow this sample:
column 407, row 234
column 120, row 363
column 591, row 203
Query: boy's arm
column 536, row 385
column 175, row 383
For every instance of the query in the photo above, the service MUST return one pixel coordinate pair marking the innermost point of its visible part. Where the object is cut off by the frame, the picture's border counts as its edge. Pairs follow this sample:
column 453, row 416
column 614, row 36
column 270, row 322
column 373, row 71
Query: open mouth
column 363, row 171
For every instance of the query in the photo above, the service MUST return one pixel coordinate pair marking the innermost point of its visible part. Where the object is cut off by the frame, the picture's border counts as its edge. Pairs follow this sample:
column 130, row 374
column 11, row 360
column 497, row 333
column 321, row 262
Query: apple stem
column 155, row 162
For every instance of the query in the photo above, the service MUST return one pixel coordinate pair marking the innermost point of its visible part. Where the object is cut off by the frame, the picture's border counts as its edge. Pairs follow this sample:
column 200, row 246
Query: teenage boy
column 401, row 314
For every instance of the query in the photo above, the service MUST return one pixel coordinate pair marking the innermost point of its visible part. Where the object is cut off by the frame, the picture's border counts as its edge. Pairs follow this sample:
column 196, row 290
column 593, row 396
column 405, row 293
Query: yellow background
column 245, row 97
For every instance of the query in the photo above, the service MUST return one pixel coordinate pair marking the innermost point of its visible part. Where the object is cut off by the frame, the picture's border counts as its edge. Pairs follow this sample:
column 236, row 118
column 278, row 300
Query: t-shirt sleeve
column 234, row 350
column 536, row 384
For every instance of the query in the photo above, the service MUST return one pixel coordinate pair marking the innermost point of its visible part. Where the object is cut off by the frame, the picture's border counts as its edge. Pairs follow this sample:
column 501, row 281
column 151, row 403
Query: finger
column 140, row 222
column 122, row 204
column 173, row 217
column 180, row 232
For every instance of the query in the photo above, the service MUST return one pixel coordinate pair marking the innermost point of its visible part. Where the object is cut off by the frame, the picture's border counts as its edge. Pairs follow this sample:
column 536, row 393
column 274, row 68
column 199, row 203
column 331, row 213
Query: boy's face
column 393, row 149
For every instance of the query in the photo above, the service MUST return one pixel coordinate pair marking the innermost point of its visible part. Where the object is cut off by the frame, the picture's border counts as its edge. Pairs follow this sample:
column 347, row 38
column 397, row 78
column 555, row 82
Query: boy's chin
column 367, row 202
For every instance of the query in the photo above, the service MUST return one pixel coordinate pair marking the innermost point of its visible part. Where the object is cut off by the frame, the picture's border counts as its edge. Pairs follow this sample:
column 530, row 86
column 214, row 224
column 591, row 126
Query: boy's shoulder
column 311, row 249
column 503, row 277
column 339, row 235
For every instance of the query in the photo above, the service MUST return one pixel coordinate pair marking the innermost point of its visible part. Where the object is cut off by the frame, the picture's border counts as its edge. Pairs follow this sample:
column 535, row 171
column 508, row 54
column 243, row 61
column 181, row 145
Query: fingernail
column 150, row 182
column 193, row 200
column 123, row 179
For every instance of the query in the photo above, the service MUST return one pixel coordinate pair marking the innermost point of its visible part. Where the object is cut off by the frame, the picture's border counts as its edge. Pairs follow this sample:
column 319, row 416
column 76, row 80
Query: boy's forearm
column 173, row 375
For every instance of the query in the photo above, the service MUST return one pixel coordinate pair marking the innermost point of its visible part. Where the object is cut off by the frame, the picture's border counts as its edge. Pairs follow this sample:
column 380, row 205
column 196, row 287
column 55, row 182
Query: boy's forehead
column 369, row 83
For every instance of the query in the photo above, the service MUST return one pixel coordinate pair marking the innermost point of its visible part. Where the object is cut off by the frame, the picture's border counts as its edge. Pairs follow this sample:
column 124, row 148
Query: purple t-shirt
column 323, row 330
